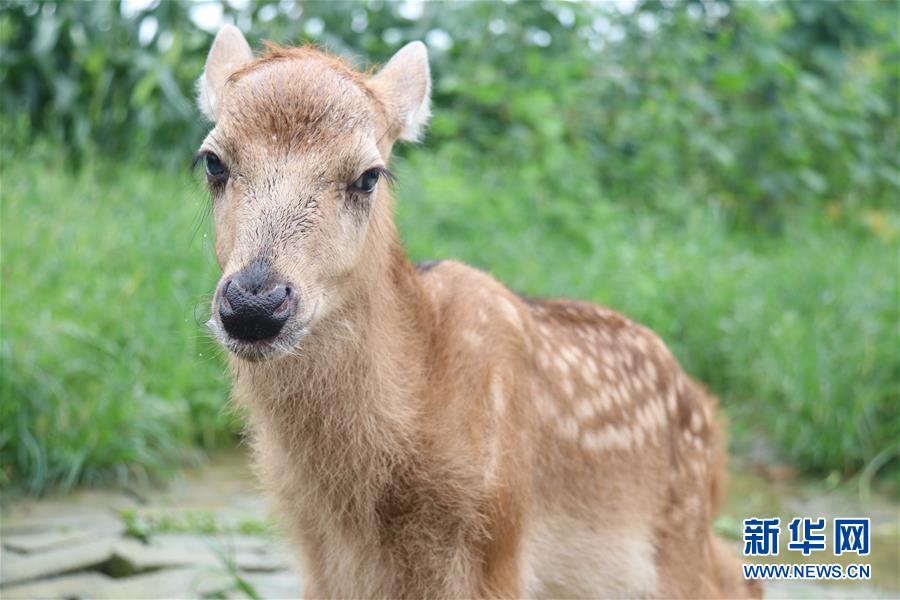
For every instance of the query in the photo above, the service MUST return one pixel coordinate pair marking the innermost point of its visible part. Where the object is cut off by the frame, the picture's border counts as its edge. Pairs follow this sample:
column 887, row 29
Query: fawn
column 424, row 431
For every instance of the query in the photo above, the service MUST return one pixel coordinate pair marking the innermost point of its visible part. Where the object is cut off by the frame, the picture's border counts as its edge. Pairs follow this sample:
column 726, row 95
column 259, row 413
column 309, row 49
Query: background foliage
column 725, row 172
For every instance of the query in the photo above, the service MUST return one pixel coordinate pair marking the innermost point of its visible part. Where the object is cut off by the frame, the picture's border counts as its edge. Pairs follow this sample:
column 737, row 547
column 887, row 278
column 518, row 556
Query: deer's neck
column 342, row 413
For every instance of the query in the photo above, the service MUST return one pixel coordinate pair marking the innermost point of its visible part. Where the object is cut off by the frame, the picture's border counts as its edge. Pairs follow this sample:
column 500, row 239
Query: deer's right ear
column 404, row 85
column 229, row 52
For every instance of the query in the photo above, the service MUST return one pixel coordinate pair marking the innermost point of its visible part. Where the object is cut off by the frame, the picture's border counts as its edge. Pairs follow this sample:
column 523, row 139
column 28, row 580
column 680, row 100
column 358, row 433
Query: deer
column 423, row 431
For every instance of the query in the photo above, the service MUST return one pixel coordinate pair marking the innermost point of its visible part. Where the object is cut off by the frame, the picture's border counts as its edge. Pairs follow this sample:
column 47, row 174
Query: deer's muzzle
column 254, row 305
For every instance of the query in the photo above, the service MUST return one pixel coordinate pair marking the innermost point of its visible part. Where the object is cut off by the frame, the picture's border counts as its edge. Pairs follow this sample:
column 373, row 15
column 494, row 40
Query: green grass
column 144, row 527
column 107, row 373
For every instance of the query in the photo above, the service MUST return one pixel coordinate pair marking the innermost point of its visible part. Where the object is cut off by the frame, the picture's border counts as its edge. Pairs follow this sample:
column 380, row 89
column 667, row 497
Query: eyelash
column 212, row 178
column 376, row 172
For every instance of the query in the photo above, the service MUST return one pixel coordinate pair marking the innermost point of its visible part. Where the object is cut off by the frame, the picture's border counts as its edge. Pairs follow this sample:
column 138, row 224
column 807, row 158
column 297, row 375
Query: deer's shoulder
column 473, row 304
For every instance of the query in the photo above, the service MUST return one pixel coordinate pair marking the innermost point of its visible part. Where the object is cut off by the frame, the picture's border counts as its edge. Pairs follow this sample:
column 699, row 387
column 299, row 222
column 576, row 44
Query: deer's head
column 296, row 166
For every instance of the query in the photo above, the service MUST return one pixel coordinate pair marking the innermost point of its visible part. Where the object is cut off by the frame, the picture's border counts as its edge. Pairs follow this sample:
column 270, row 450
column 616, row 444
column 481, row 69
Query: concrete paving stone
column 43, row 540
column 260, row 561
column 272, row 586
column 15, row 569
column 81, row 504
column 143, row 557
column 168, row 550
column 223, row 517
column 170, row 583
column 79, row 585
column 60, row 522
column 167, row 583
column 220, row 541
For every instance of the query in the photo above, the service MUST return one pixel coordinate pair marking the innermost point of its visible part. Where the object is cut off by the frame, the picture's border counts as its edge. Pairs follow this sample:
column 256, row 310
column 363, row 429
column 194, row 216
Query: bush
column 106, row 372
column 757, row 107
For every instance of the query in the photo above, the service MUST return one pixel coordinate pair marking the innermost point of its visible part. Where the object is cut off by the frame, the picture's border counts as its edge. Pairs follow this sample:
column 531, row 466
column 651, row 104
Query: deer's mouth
column 284, row 344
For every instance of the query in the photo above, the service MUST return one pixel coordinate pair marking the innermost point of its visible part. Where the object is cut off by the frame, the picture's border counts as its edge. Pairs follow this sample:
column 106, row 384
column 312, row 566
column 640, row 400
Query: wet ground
column 208, row 535
column 757, row 491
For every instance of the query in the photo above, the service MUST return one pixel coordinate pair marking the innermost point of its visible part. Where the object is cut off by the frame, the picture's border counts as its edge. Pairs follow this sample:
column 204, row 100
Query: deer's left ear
column 404, row 85
column 229, row 52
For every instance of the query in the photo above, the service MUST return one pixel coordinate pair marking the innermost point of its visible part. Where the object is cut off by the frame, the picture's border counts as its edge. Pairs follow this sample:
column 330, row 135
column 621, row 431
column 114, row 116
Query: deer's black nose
column 253, row 306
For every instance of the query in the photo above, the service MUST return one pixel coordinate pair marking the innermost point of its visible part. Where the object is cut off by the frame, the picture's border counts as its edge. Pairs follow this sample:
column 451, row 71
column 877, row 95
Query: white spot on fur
column 650, row 368
column 570, row 354
column 671, row 401
column 637, row 384
column 623, row 394
column 641, row 417
column 585, row 409
column 660, row 413
column 640, row 343
column 696, row 421
column 543, row 360
column 605, row 400
column 707, row 412
column 592, row 441
column 498, row 400
column 562, row 365
column 637, row 434
column 472, row 337
column 546, row 407
column 510, row 312
column 608, row 438
column 568, row 428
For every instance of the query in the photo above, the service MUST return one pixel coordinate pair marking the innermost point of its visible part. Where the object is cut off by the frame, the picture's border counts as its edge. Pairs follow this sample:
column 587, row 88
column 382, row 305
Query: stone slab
column 57, row 537
column 170, row 583
column 144, row 557
column 15, row 569
column 45, row 523
column 260, row 561
column 281, row 585
column 80, row 585
column 221, row 541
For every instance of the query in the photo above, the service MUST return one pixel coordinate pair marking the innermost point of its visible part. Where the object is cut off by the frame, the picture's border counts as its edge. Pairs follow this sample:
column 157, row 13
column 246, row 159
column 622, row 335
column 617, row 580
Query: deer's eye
column 366, row 182
column 214, row 167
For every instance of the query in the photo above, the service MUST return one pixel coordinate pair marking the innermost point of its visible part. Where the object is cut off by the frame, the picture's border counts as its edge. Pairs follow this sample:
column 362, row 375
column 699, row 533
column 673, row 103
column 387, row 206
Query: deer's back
column 611, row 448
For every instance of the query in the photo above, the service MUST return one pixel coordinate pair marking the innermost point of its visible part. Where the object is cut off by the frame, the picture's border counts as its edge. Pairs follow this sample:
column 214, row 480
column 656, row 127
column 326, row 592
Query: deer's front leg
column 502, row 572
column 501, row 577
column 310, row 590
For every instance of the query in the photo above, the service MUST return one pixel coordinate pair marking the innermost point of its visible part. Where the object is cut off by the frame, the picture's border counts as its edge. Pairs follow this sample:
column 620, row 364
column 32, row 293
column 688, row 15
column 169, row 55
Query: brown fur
column 430, row 434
